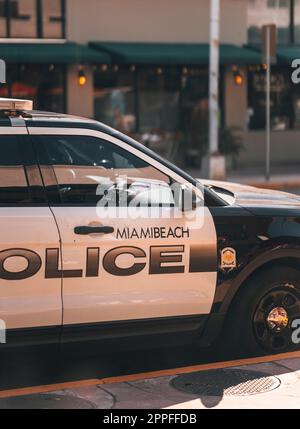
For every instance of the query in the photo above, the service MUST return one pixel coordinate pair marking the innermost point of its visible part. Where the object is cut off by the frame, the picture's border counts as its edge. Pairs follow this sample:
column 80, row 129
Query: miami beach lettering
column 153, row 232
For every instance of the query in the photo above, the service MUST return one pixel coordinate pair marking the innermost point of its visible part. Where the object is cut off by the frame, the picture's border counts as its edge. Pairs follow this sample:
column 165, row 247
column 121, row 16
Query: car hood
column 252, row 197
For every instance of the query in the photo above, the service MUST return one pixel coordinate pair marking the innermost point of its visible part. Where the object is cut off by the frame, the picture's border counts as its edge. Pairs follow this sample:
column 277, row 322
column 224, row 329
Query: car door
column 118, row 266
column 29, row 300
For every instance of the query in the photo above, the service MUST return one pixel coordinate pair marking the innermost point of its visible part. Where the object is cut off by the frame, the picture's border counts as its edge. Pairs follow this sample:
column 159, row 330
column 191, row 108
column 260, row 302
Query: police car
column 226, row 266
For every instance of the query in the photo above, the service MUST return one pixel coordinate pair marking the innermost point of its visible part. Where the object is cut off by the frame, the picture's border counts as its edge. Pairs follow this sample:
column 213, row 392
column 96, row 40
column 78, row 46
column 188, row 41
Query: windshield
column 211, row 198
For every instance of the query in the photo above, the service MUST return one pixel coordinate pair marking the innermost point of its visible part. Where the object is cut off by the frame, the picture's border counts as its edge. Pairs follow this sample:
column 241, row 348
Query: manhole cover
column 228, row 382
column 45, row 401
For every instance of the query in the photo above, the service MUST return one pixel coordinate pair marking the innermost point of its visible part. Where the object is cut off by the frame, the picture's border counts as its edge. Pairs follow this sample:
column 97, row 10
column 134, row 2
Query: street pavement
column 46, row 365
column 270, row 385
column 161, row 393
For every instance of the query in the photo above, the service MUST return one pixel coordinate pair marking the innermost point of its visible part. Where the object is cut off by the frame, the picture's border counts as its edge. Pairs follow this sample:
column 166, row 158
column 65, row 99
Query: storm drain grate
column 45, row 401
column 228, row 382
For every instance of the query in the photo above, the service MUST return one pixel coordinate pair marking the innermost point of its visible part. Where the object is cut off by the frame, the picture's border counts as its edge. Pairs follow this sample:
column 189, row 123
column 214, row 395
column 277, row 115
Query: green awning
column 286, row 54
column 173, row 53
column 56, row 53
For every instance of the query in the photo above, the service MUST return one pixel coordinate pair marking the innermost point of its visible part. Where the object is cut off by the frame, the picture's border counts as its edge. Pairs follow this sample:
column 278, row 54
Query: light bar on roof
column 15, row 104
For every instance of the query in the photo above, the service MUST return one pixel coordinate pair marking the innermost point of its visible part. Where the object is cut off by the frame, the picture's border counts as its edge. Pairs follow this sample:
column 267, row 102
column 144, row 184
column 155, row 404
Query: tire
column 260, row 321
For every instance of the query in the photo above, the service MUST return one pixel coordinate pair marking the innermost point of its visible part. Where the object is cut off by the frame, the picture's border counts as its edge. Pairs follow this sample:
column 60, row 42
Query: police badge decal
column 228, row 259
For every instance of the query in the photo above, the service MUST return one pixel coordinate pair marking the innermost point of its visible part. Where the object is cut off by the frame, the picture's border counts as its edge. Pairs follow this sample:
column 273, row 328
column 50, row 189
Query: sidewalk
column 285, row 178
column 277, row 181
column 262, row 385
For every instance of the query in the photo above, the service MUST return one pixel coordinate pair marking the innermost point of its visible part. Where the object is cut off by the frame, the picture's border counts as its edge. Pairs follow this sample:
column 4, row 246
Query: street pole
column 269, row 49
column 268, row 113
column 214, row 79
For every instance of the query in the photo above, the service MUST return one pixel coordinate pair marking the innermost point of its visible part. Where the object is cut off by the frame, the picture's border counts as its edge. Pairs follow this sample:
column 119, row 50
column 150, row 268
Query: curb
column 146, row 375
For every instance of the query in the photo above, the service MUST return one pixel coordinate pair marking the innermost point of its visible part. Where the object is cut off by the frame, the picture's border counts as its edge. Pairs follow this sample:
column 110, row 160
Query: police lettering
column 165, row 259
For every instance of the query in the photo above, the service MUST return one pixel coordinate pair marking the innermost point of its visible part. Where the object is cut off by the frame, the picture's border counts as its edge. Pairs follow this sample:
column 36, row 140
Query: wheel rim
column 274, row 315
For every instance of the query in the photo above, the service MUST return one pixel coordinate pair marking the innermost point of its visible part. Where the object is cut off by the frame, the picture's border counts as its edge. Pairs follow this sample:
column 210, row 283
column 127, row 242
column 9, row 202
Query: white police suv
column 101, row 238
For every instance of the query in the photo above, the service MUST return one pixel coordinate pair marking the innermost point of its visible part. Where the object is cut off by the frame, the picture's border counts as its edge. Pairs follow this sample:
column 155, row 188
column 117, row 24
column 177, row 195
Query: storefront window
column 166, row 108
column 23, row 18
column 159, row 91
column 285, row 101
column 114, row 97
column 3, row 14
column 32, row 18
column 195, row 112
column 261, row 12
column 52, row 16
column 158, row 100
column 44, row 84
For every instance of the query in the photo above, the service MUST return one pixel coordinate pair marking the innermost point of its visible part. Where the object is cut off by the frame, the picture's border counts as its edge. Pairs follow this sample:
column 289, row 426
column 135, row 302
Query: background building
column 142, row 66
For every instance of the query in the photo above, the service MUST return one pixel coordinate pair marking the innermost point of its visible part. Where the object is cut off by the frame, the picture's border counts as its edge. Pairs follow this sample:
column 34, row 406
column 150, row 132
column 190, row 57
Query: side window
column 14, row 187
column 84, row 166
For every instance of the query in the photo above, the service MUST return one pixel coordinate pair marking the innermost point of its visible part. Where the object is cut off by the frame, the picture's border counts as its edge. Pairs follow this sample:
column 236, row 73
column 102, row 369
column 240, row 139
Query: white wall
column 285, row 147
column 153, row 20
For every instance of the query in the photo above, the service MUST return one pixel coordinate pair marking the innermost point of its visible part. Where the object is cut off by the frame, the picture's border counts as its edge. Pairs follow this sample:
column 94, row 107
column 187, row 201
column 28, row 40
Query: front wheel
column 265, row 313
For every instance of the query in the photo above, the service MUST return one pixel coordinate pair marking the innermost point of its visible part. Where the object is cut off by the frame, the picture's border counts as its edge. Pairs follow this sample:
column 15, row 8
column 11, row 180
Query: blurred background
column 141, row 66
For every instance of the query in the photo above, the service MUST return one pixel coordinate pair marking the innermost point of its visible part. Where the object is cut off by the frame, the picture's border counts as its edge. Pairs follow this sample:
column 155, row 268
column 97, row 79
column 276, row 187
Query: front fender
column 217, row 318
column 280, row 252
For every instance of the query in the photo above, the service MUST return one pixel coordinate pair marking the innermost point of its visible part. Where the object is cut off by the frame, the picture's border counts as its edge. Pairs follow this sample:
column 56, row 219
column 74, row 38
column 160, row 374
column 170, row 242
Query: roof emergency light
column 15, row 104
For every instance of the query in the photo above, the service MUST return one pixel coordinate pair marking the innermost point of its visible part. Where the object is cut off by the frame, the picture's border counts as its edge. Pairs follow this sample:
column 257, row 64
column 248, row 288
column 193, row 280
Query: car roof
column 39, row 118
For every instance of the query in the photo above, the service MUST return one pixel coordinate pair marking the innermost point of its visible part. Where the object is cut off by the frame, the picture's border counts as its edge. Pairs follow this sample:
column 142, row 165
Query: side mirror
column 187, row 199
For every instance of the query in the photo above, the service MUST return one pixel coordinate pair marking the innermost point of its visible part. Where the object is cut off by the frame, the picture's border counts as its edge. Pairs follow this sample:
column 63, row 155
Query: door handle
column 85, row 230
